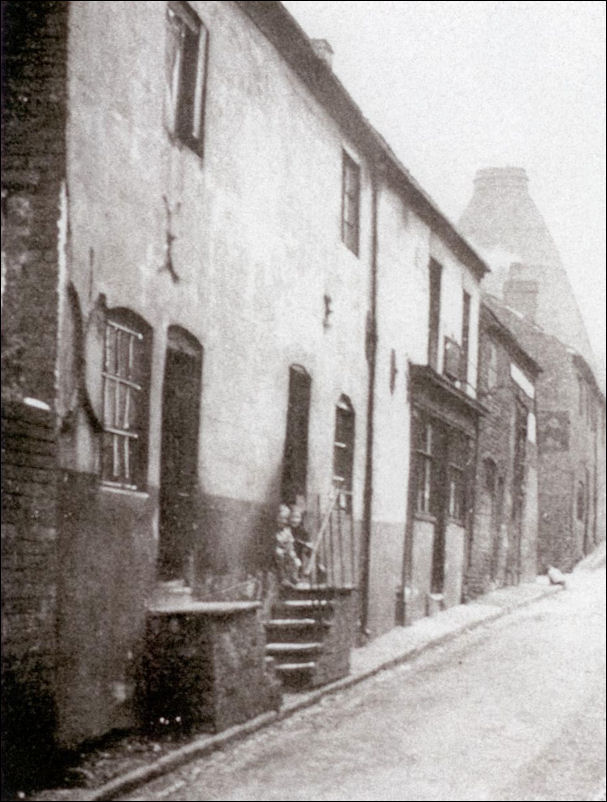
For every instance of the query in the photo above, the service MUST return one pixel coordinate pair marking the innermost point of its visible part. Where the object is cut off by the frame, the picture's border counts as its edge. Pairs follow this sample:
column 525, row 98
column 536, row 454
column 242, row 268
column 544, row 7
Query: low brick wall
column 205, row 666
column 334, row 659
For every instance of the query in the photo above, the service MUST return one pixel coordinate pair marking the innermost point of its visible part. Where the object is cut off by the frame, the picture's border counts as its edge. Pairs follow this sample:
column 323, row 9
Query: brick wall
column 495, row 541
column 29, row 585
column 34, row 49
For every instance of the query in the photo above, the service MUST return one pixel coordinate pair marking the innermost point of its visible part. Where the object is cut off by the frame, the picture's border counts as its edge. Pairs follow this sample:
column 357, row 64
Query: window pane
column 109, row 402
column 110, row 350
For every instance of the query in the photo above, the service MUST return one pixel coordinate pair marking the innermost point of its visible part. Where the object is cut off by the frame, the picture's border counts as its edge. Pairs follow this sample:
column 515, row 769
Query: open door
column 179, row 454
column 295, row 462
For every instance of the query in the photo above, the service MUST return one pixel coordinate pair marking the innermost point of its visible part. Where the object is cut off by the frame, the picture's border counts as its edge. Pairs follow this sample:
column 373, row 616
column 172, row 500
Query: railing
column 333, row 559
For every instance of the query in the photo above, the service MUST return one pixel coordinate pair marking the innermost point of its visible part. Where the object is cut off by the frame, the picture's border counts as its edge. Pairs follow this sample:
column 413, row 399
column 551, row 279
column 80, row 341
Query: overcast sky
column 454, row 86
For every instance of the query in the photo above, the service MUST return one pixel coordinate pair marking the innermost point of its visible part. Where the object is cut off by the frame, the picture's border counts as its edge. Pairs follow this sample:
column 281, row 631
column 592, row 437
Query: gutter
column 371, row 354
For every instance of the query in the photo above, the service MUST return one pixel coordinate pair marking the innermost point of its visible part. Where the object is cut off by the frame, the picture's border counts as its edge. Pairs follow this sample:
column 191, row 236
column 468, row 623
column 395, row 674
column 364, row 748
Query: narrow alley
column 511, row 711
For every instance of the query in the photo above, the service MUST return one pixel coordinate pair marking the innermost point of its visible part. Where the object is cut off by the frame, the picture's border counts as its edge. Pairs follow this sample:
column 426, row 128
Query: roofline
column 536, row 330
column 586, row 370
column 291, row 41
column 508, row 334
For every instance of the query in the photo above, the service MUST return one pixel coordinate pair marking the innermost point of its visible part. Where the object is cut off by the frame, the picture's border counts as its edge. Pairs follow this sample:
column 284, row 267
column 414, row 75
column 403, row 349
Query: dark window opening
column 350, row 204
column 434, row 313
column 452, row 361
column 518, row 478
column 126, row 368
column 580, row 501
column 456, row 476
column 490, row 474
column 492, row 366
column 295, row 462
column 186, row 56
column 343, row 451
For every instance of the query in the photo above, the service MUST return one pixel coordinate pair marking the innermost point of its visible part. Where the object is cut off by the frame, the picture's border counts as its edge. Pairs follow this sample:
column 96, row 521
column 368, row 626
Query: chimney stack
column 324, row 51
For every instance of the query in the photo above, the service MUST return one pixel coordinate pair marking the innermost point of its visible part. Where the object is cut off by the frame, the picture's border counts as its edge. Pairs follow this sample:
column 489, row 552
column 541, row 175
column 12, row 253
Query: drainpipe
column 371, row 354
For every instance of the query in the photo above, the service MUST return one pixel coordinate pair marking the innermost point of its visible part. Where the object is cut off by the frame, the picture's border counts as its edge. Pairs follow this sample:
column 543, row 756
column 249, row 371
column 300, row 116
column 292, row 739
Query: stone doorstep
column 293, row 702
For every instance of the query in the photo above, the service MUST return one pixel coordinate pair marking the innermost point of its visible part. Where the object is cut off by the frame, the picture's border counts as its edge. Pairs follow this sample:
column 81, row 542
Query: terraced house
column 222, row 291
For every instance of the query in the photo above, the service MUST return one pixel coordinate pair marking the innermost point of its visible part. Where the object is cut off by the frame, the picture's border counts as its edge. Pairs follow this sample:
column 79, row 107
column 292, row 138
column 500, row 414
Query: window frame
column 435, row 271
column 345, row 418
column 458, row 455
column 350, row 204
column 126, row 416
column 492, row 365
column 186, row 78
column 424, row 466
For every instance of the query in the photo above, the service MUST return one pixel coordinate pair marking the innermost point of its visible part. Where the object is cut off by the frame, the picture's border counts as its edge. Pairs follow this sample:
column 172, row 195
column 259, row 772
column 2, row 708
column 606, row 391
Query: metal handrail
column 323, row 527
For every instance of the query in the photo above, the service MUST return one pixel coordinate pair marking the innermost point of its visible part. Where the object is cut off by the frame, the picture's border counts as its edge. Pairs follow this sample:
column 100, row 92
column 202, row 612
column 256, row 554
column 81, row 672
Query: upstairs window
column 492, row 368
column 186, row 56
column 125, row 400
column 350, row 204
column 434, row 313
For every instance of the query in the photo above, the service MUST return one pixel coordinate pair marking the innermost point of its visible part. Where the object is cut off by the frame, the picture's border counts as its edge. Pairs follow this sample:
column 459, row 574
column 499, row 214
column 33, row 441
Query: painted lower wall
column 387, row 544
column 454, row 564
column 107, row 560
column 421, row 570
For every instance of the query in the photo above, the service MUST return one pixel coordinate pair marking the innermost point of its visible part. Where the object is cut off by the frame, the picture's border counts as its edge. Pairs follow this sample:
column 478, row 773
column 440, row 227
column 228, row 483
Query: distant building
column 571, row 445
column 531, row 295
column 503, row 547
column 527, row 272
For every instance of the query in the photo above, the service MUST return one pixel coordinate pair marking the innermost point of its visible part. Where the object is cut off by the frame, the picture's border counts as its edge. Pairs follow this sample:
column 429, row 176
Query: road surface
column 514, row 710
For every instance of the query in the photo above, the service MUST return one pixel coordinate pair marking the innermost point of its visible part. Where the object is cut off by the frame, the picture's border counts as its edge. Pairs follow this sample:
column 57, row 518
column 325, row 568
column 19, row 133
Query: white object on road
column 556, row 577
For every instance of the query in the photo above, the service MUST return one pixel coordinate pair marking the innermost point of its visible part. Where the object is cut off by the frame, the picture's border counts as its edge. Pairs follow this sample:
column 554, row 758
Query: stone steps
column 295, row 634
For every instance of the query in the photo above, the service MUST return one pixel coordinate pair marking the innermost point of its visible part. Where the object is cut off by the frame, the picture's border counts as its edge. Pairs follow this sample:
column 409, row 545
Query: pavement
column 397, row 646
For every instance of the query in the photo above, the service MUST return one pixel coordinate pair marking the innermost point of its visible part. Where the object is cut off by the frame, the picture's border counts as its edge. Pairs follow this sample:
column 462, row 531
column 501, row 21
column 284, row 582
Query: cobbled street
column 512, row 711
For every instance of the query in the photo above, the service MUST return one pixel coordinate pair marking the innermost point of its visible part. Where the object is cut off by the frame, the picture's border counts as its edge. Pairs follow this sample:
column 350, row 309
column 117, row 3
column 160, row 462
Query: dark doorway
column 295, row 462
column 179, row 454
column 513, row 571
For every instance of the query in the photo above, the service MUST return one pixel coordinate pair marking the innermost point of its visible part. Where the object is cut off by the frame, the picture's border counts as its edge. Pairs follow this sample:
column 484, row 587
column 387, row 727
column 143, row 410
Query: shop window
column 350, row 206
column 343, row 451
column 125, row 399
column 186, row 57
column 458, row 448
column 424, row 466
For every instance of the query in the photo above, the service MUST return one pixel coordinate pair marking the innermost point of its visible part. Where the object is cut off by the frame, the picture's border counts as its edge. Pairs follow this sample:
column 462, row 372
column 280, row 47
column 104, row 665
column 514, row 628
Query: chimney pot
column 501, row 176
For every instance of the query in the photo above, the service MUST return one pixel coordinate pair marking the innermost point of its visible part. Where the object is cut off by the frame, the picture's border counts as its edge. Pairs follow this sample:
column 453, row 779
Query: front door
column 179, row 454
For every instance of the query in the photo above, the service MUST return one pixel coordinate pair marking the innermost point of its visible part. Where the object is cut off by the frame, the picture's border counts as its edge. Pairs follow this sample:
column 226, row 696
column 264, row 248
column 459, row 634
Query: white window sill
column 124, row 491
